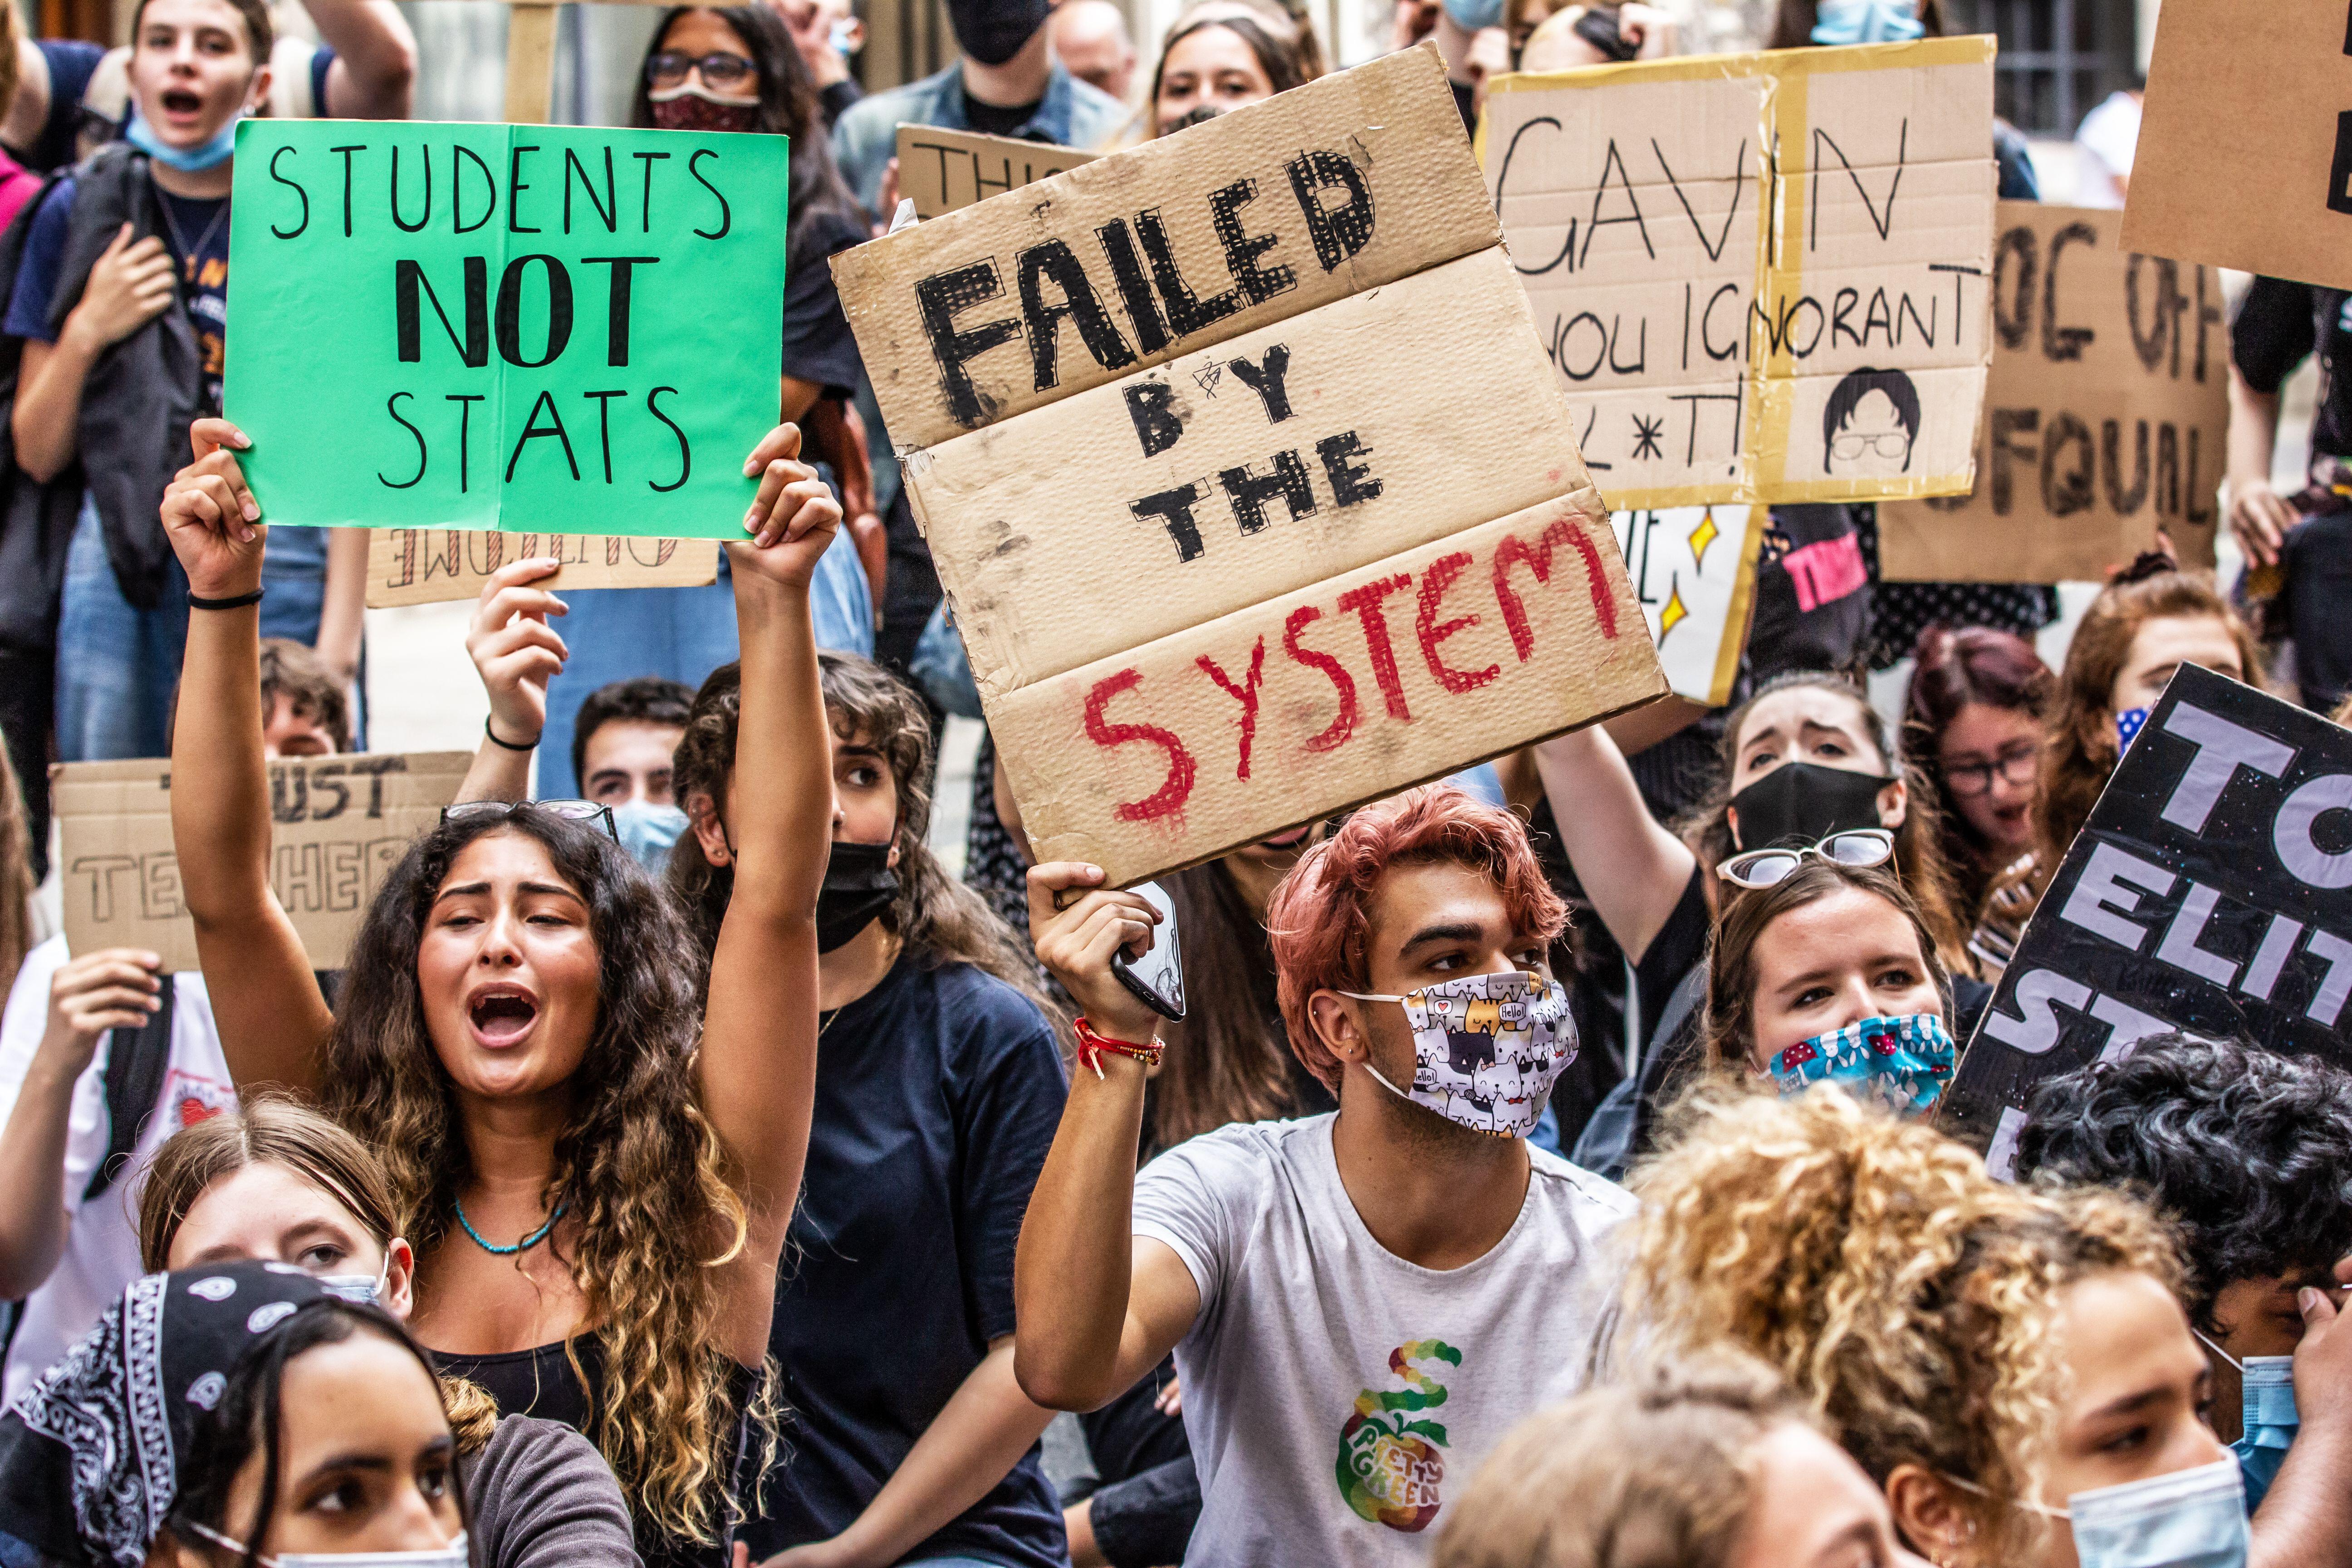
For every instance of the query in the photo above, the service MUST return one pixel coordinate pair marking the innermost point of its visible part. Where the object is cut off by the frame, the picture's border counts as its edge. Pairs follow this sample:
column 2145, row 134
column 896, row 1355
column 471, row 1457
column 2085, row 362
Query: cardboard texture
column 2106, row 418
column 1371, row 680
column 1184, row 476
column 517, row 330
column 429, row 565
column 1356, row 180
column 2245, row 146
column 1332, row 542
column 1693, row 573
column 340, row 826
column 945, row 170
column 1760, row 278
column 2210, row 892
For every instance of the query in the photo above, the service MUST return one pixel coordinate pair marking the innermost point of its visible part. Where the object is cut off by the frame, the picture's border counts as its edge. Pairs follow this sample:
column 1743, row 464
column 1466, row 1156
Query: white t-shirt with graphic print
column 101, row 1255
column 1337, row 1397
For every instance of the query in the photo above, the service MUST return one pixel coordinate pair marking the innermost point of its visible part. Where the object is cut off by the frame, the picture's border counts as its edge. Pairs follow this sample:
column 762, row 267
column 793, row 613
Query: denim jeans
column 118, row 667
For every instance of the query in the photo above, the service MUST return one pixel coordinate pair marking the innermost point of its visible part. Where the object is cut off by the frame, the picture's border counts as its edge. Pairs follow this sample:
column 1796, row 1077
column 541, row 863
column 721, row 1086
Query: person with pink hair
column 1411, row 1246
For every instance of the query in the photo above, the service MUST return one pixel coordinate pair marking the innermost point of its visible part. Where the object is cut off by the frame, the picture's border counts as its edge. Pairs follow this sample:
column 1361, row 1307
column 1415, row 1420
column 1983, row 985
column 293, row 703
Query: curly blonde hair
column 639, row 1170
column 1908, row 1297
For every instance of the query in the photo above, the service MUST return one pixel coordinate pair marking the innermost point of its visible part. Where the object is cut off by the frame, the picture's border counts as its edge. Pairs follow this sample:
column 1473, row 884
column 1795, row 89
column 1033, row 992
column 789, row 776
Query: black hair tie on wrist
column 237, row 603
column 529, row 745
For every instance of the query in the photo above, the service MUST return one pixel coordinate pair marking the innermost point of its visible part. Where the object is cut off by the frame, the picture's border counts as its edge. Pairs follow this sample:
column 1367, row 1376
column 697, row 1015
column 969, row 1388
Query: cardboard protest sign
column 1293, row 519
column 2246, row 142
column 1760, row 278
column 943, row 171
column 2210, row 892
column 430, row 565
column 2106, row 418
column 1131, row 259
column 1694, row 571
column 509, row 327
column 339, row 823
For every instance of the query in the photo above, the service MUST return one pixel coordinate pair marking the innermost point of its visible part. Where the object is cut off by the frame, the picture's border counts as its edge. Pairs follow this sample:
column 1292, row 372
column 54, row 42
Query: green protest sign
column 525, row 327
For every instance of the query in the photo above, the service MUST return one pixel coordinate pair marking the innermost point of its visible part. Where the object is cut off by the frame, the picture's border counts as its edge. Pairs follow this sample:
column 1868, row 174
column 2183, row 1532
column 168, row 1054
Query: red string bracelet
column 1091, row 1046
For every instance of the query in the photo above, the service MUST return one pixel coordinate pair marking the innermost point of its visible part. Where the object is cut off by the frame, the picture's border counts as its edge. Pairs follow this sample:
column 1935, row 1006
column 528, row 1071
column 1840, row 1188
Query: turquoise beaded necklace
column 525, row 1245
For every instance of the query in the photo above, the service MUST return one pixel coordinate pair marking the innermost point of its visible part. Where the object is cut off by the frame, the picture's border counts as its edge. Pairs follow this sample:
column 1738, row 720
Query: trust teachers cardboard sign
column 1758, row 278
column 2210, row 892
column 527, row 327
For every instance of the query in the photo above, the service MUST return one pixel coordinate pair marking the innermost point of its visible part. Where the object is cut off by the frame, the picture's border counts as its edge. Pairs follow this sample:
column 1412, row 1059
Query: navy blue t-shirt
column 937, row 1096
column 71, row 65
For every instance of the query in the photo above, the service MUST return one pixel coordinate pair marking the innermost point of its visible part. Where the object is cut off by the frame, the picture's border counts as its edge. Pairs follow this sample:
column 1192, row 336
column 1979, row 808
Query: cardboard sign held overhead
column 1694, row 571
column 1758, row 278
column 946, row 171
column 339, row 823
column 2107, row 417
column 508, row 327
column 2210, row 892
column 2245, row 142
column 1291, row 520
column 432, row 565
column 1134, row 258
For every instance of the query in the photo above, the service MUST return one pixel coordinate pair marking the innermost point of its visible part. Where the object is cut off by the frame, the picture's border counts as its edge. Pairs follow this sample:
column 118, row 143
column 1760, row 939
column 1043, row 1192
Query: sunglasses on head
column 571, row 810
column 1770, row 868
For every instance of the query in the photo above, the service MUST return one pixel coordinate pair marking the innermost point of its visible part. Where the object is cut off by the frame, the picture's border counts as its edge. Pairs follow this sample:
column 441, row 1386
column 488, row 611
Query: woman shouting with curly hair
column 594, row 1169
column 2013, row 1367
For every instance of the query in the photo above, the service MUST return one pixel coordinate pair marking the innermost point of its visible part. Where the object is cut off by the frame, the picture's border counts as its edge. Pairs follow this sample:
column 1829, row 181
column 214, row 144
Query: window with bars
column 2059, row 59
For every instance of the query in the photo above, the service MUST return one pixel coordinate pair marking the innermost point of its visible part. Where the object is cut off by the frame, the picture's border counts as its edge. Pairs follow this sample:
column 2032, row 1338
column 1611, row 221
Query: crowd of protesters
column 686, row 1165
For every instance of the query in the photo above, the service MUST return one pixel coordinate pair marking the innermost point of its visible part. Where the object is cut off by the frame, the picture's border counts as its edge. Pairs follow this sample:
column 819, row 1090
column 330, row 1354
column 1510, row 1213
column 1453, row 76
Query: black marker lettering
column 685, row 450
column 426, row 157
column 509, row 321
column 391, row 406
column 726, row 218
column 609, row 209
column 533, row 431
column 616, row 297
column 347, row 151
column 408, row 278
column 305, row 223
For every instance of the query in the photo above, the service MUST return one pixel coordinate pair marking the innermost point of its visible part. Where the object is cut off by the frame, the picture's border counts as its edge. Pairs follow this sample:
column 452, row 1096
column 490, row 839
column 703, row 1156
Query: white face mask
column 360, row 1290
column 1486, row 1048
column 450, row 1556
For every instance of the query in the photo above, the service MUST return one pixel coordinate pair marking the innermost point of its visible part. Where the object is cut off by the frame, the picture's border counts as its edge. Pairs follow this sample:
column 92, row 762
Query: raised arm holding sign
column 506, row 327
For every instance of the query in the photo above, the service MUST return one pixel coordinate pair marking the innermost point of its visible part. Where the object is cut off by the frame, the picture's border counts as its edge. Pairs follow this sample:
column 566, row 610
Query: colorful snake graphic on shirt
column 1391, row 1463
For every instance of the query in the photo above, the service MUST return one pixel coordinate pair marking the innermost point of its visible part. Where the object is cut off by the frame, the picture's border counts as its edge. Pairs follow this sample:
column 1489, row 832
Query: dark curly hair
column 2248, row 1152
column 639, row 1170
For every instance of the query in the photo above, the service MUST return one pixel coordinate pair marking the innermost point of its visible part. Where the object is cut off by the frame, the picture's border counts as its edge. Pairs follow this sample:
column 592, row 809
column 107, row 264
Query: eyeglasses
column 668, row 67
column 2017, row 765
column 570, row 810
column 1892, row 445
column 1857, row 846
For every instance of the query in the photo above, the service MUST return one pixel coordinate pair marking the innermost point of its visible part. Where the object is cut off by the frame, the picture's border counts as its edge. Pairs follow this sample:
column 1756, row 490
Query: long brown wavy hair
column 16, row 875
column 1918, row 843
column 639, row 1171
column 938, row 919
column 2078, row 748
column 1905, row 1295
column 1229, row 1058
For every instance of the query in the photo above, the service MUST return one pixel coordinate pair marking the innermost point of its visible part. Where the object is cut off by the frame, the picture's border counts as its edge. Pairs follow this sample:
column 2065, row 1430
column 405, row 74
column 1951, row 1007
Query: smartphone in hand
column 1156, row 978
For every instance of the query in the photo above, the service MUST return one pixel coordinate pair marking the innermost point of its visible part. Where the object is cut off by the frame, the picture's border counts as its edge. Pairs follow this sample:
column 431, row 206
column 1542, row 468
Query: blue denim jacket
column 865, row 139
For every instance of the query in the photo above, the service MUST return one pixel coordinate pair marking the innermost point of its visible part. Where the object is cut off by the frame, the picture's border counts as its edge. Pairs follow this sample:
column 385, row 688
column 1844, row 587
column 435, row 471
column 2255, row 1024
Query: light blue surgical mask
column 648, row 831
column 1866, row 22
column 2189, row 1519
column 360, row 1290
column 1472, row 14
column 2268, row 1415
column 187, row 159
column 844, row 38
column 1905, row 1061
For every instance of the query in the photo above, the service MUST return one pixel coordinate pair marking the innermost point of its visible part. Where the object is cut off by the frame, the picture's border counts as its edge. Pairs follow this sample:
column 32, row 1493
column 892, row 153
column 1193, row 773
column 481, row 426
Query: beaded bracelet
column 1091, row 1046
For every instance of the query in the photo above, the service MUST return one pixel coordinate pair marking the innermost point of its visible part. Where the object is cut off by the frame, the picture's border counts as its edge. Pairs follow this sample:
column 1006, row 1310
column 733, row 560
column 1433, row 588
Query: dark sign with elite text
column 527, row 327
column 2210, row 892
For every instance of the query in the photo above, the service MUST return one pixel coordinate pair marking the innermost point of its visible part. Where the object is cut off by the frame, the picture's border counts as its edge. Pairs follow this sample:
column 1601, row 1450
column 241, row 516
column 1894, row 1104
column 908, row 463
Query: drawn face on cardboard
column 1872, row 440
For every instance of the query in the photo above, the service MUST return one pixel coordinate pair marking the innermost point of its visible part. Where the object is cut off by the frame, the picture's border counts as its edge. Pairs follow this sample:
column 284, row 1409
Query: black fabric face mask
column 993, row 31
column 1804, row 803
column 858, row 886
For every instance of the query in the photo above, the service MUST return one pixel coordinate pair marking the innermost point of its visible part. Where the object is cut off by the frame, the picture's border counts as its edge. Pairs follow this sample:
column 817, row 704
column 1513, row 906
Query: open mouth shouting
column 501, row 1015
column 180, row 104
